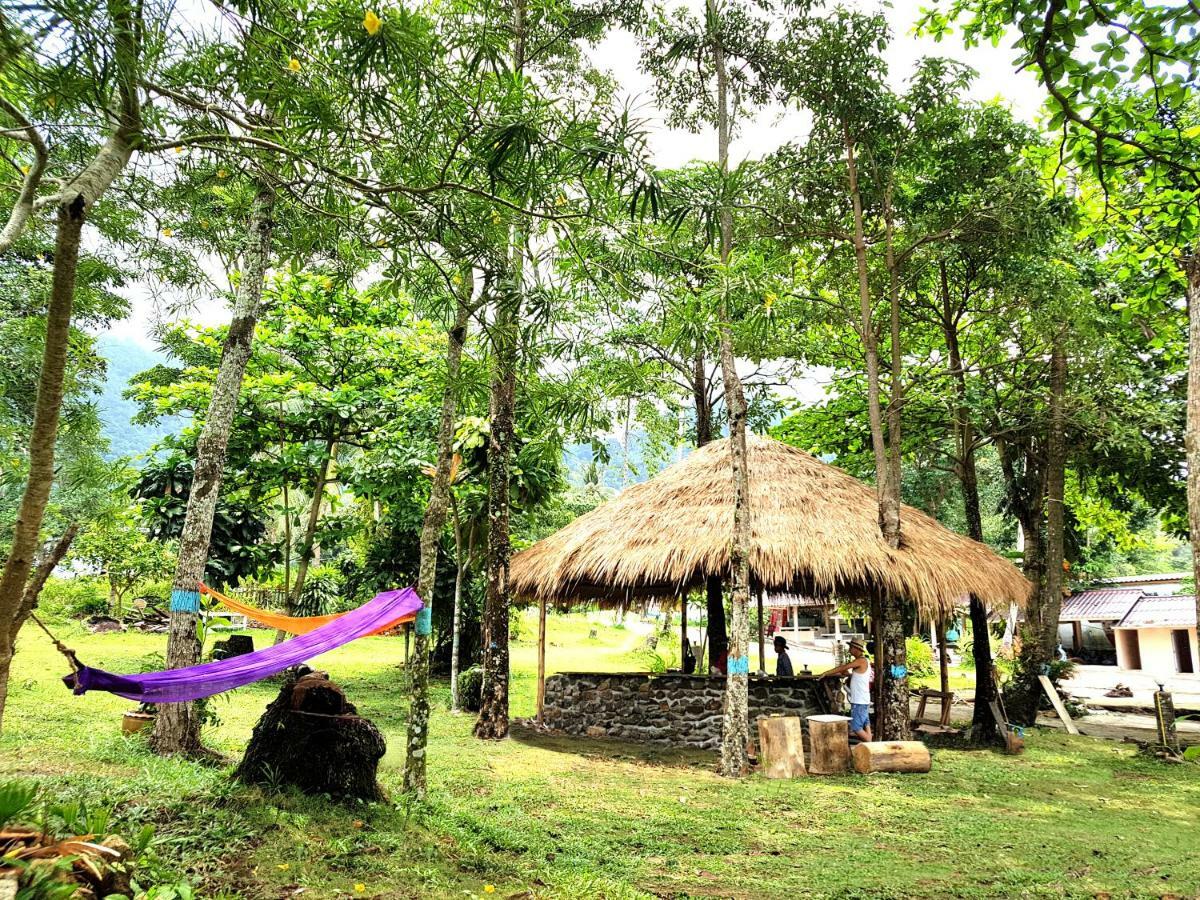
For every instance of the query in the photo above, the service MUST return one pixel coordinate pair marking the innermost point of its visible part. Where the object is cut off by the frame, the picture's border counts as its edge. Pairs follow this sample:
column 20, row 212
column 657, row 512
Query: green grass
column 539, row 817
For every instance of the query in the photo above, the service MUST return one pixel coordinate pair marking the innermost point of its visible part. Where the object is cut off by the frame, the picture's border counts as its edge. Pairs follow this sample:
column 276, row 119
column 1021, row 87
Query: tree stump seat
column 312, row 738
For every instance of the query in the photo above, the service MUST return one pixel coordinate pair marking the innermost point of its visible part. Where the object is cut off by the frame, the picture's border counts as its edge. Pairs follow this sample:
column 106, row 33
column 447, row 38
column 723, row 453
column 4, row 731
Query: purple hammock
column 194, row 682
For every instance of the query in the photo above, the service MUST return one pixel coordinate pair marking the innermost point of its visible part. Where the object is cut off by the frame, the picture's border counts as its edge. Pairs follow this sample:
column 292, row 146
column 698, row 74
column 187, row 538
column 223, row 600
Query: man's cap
column 780, row 639
column 859, row 644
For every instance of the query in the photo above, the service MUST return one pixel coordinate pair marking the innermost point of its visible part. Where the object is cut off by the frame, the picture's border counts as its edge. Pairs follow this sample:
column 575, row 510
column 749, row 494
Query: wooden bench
column 946, row 699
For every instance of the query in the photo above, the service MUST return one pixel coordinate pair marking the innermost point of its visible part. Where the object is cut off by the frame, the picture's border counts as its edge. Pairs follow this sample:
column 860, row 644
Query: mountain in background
column 126, row 358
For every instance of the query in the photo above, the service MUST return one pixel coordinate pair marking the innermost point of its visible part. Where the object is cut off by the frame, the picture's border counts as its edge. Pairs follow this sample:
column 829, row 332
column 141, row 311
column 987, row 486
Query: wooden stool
column 781, row 746
column 829, row 744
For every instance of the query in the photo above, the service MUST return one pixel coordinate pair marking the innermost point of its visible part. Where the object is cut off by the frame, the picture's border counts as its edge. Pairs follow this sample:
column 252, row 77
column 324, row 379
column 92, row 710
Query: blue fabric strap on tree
column 739, row 665
column 185, row 601
column 425, row 620
column 899, row 671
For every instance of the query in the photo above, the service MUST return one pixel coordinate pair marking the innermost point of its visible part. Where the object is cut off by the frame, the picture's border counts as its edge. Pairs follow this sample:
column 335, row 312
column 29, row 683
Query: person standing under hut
column 783, row 664
column 859, row 669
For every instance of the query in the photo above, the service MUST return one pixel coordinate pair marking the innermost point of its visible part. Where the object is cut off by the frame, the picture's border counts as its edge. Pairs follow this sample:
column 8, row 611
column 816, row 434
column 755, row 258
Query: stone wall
column 683, row 710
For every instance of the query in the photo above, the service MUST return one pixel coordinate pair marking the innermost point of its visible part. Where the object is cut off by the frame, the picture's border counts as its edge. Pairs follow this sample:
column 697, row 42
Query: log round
column 311, row 737
column 829, row 744
column 891, row 756
column 781, row 746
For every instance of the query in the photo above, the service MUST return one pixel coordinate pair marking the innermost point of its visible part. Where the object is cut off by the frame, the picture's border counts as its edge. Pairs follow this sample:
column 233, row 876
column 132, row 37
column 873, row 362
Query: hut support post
column 943, row 658
column 541, row 684
column 762, row 639
column 683, row 640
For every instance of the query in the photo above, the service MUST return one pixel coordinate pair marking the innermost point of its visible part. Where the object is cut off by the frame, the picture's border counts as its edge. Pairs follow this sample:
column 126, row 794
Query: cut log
column 311, row 737
column 781, row 746
column 829, row 744
column 891, row 756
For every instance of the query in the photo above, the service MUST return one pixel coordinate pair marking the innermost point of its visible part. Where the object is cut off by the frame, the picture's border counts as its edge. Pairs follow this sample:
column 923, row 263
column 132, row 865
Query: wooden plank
column 1048, row 687
column 781, row 747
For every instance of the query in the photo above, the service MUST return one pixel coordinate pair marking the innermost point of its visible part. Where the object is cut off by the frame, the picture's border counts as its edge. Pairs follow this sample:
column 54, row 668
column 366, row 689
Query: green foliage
column 74, row 598
column 919, row 656
column 15, row 798
column 470, row 688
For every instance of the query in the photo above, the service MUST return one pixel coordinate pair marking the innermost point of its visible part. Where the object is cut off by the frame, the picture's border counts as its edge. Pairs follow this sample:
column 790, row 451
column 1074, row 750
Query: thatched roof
column 814, row 531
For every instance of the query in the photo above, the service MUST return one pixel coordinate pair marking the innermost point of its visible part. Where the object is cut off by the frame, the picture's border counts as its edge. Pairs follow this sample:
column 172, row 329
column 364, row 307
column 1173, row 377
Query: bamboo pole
column 541, row 685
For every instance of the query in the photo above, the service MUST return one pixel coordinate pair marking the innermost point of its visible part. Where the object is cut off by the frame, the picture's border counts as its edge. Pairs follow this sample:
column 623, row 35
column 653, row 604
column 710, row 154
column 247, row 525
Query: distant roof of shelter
column 785, row 601
column 1145, row 579
column 1161, row 612
column 1100, row 605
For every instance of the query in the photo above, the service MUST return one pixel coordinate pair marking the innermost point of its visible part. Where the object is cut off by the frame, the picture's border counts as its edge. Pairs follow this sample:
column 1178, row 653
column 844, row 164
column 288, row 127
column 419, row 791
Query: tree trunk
column 22, row 209
column 493, row 711
column 177, row 727
column 895, row 720
column 714, row 593
column 704, row 432
column 735, row 724
column 460, row 576
column 431, row 537
column 310, row 534
column 1040, row 636
column 983, row 722
column 43, row 436
column 1192, row 430
column 890, row 659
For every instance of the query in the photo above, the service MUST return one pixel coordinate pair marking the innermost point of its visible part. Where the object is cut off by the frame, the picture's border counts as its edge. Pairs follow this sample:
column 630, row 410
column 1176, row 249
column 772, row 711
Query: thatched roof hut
column 815, row 531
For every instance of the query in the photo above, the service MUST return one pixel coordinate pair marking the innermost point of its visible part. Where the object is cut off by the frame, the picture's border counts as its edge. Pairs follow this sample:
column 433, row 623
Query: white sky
column 670, row 148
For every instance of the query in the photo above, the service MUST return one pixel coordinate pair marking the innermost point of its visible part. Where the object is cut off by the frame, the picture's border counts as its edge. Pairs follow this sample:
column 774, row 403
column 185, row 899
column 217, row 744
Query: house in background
column 1140, row 623
column 1158, row 636
column 1088, row 619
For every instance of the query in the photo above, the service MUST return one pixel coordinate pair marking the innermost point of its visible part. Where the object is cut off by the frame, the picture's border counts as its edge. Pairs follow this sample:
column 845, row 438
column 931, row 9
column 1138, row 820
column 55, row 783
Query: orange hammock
column 290, row 624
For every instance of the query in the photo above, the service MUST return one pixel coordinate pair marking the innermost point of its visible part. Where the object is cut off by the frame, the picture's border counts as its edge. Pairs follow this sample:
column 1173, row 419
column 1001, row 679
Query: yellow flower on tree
column 769, row 300
column 294, row 64
column 489, row 889
column 221, row 173
column 372, row 23
column 167, row 232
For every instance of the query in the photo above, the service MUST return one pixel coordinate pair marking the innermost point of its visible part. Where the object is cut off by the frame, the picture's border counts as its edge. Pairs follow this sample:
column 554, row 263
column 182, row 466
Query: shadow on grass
column 611, row 749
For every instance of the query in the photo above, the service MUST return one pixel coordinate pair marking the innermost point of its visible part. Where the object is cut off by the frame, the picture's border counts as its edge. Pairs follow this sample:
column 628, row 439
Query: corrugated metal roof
column 1104, row 605
column 1161, row 612
column 1145, row 579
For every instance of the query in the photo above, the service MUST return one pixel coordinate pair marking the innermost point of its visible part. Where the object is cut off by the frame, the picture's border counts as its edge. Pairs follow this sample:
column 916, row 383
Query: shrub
column 920, row 657
column 470, row 688
column 74, row 598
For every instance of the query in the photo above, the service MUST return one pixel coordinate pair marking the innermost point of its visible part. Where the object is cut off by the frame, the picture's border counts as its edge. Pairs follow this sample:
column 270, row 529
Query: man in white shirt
column 859, row 669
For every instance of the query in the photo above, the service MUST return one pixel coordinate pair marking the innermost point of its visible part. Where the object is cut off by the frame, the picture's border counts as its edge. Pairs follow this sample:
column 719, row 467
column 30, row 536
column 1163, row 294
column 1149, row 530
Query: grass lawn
column 537, row 817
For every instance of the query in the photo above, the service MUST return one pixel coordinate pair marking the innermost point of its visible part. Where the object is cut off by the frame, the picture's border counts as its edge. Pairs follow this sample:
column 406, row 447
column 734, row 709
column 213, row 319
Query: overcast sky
column 619, row 53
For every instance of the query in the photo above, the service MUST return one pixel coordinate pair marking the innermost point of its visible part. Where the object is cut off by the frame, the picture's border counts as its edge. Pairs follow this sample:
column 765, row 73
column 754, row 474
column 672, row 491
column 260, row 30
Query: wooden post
column 829, row 744
column 1164, row 711
column 781, row 746
column 683, row 641
column 541, row 685
column 1077, row 634
column 943, row 656
column 762, row 639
